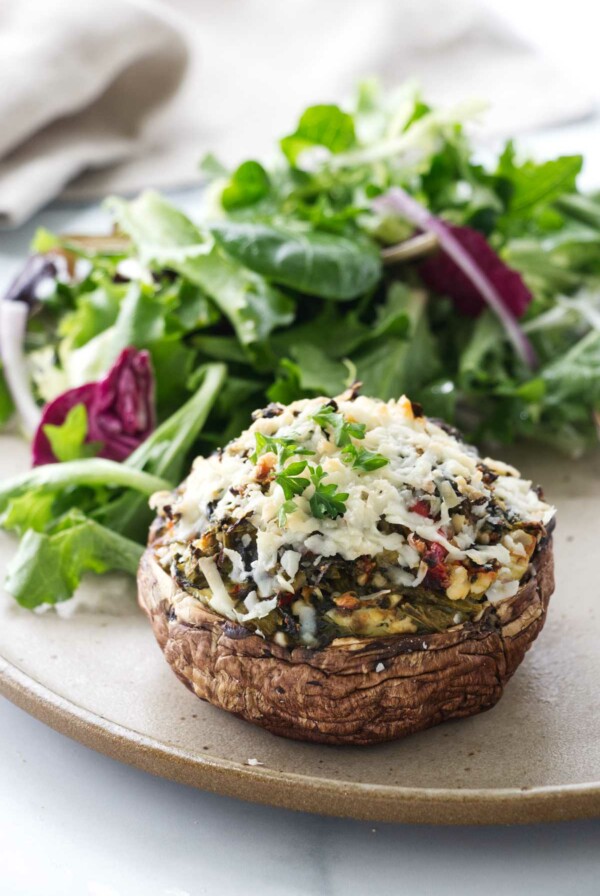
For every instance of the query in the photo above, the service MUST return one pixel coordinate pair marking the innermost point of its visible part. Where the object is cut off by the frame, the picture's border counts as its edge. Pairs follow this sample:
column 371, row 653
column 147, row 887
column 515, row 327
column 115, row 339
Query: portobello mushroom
column 348, row 571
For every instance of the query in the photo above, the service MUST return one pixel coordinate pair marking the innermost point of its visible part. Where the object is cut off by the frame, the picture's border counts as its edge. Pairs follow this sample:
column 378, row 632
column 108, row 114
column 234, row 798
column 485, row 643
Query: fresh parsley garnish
column 344, row 431
column 284, row 447
column 363, row 459
column 286, row 507
column 290, row 480
column 326, row 500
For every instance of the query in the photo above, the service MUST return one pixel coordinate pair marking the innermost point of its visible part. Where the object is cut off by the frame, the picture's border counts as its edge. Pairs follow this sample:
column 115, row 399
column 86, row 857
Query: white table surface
column 74, row 823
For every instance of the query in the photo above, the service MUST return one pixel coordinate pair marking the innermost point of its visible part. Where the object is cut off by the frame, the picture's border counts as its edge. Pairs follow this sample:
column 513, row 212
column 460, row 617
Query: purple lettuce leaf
column 120, row 409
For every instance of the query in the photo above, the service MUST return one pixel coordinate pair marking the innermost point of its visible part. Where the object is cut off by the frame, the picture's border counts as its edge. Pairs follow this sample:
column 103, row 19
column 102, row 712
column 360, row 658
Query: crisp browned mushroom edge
column 354, row 691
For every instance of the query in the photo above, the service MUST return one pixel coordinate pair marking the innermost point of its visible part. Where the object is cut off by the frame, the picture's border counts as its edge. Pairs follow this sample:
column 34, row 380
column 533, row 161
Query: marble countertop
column 74, row 823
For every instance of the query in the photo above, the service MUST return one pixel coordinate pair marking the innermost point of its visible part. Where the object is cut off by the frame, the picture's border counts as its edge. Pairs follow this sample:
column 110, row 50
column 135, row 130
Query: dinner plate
column 93, row 671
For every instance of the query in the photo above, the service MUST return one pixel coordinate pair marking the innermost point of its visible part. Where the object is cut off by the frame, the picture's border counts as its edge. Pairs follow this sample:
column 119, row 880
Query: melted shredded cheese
column 426, row 463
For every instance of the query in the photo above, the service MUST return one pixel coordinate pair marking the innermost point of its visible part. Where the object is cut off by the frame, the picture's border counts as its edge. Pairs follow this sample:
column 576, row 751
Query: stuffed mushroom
column 348, row 571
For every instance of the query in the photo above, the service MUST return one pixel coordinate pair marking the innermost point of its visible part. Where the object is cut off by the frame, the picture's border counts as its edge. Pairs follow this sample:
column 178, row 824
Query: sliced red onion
column 36, row 278
column 13, row 324
column 399, row 201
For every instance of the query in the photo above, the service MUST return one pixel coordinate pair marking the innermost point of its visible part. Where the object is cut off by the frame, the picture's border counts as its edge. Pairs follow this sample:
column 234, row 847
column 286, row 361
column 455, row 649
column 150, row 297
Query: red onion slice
column 399, row 201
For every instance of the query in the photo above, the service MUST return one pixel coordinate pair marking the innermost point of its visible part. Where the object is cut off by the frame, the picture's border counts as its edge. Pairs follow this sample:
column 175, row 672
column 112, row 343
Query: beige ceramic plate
column 98, row 676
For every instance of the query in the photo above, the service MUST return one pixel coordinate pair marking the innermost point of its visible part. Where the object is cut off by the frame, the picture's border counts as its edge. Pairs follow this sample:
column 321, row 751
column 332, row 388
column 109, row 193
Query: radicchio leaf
column 441, row 274
column 120, row 409
column 489, row 283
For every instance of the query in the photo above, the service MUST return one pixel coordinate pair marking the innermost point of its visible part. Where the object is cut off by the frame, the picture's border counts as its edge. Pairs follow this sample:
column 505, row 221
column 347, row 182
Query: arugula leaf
column 248, row 184
column 541, row 271
column 391, row 366
column 286, row 386
column 482, row 357
column 67, row 441
column 160, row 231
column 191, row 309
column 328, row 265
column 253, row 306
column 325, row 125
column 95, row 311
column 585, row 209
column 576, row 374
column 533, row 182
column 48, row 566
column 316, row 371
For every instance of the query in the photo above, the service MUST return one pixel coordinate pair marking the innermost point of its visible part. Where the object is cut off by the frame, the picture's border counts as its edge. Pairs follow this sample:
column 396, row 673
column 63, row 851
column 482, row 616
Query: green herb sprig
column 362, row 459
column 290, row 480
column 284, row 447
column 344, row 431
column 326, row 500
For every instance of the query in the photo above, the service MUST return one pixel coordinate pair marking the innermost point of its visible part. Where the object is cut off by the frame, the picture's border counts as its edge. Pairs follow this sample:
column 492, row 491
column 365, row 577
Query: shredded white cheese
column 428, row 470
column 220, row 600
column 290, row 561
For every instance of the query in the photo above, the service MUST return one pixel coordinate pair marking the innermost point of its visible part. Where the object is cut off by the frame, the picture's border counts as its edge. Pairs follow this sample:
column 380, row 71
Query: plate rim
column 342, row 799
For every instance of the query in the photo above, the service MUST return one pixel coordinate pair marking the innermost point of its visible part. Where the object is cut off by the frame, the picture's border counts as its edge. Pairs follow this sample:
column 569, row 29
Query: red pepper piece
column 421, row 507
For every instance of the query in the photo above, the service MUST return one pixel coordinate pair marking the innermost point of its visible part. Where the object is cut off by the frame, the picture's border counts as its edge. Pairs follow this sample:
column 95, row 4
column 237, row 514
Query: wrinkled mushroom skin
column 335, row 695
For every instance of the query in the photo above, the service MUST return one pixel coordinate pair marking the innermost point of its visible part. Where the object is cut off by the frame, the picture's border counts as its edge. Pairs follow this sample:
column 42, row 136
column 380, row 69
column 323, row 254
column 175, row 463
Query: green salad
column 376, row 246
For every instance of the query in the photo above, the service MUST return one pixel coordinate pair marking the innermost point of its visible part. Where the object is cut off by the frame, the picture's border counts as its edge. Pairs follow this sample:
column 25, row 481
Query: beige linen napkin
column 77, row 81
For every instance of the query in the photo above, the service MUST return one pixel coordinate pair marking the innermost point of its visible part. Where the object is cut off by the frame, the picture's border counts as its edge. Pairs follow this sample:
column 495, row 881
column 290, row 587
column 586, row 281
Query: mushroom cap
column 355, row 690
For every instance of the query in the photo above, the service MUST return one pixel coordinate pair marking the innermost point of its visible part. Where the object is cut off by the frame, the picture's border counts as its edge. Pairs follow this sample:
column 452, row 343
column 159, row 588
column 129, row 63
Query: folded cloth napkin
column 84, row 78
column 78, row 82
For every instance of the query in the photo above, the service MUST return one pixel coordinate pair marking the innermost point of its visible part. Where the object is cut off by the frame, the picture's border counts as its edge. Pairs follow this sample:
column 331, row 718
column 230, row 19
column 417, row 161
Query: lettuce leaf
column 48, row 566
column 249, row 183
column 328, row 265
column 166, row 237
column 93, row 515
column 325, row 126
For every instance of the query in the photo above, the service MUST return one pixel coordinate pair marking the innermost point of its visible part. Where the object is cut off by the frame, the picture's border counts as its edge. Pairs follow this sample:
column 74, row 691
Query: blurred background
column 120, row 95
